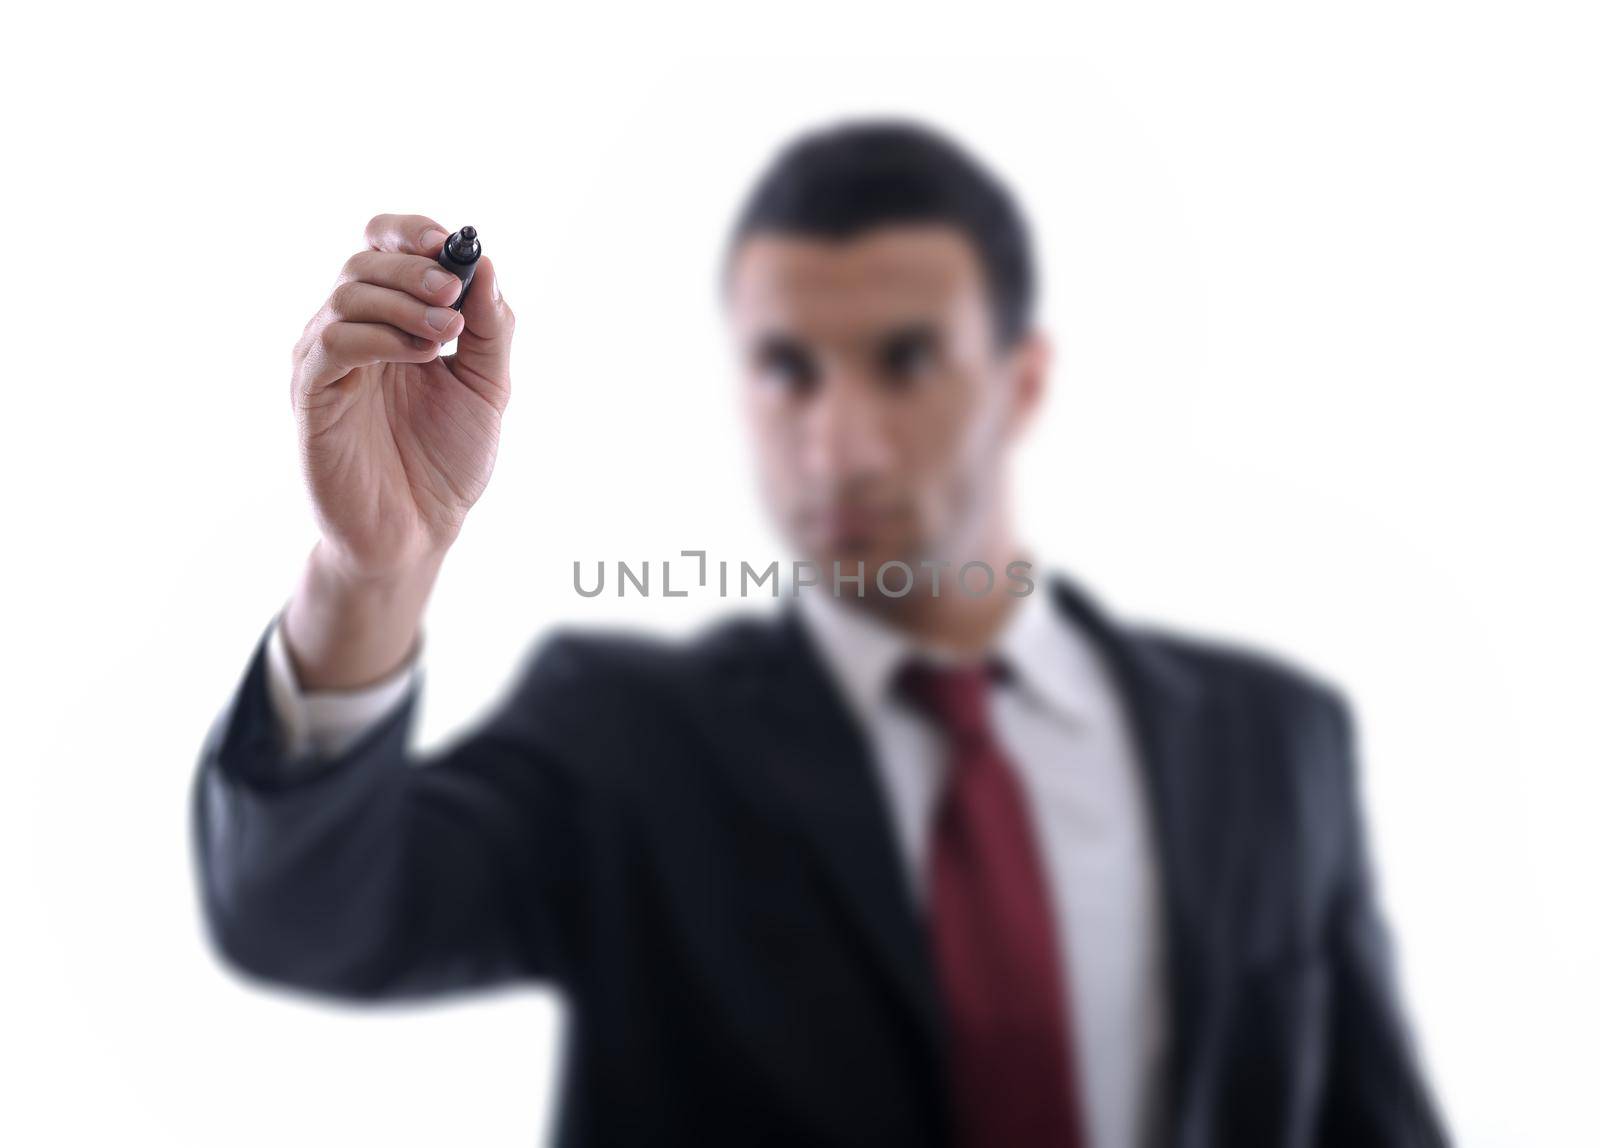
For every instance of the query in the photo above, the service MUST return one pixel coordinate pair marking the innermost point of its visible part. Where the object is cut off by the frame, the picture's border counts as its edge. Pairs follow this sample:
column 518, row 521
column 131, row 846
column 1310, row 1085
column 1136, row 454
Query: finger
column 417, row 275
column 339, row 348
column 413, row 234
column 484, row 348
column 367, row 303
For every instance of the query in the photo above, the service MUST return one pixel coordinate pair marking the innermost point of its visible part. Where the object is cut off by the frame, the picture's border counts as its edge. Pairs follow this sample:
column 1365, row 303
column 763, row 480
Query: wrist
column 345, row 628
column 341, row 571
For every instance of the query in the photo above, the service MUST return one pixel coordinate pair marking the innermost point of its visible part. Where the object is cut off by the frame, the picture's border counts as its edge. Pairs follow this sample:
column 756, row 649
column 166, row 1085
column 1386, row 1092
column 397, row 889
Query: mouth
column 851, row 526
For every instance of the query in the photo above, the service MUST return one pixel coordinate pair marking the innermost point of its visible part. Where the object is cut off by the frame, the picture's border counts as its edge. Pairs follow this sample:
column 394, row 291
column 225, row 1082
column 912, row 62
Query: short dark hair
column 837, row 181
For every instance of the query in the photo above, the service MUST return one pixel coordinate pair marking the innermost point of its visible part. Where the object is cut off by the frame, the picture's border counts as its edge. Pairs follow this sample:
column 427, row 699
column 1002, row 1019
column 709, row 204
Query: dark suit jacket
column 687, row 841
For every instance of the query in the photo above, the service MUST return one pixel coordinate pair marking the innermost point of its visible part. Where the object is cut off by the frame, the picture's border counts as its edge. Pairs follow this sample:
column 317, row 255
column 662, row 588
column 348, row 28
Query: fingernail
column 494, row 287
column 436, row 280
column 433, row 237
column 439, row 317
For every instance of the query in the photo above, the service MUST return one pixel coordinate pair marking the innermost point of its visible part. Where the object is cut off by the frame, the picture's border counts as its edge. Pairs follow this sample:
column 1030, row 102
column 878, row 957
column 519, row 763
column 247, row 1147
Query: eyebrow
column 912, row 333
column 781, row 342
column 776, row 343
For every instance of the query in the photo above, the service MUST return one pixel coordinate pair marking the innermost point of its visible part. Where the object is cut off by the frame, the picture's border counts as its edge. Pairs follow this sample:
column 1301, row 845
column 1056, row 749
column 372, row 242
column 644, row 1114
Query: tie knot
column 956, row 698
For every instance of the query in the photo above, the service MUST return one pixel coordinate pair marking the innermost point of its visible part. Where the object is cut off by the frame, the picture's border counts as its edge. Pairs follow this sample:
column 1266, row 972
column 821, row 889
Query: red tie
column 994, row 942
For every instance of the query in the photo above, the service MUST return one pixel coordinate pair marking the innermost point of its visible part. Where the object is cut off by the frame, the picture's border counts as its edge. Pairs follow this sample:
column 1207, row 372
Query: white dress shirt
column 1063, row 725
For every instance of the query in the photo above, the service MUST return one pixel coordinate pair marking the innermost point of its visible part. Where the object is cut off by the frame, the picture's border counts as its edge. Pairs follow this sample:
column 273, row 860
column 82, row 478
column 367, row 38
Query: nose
column 847, row 433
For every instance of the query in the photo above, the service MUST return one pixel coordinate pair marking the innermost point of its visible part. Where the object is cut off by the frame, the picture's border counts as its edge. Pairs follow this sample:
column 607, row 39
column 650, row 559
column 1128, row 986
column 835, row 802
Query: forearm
column 345, row 630
column 375, row 874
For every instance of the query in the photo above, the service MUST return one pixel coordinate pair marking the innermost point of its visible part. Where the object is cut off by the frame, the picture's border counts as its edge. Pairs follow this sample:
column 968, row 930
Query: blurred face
column 883, row 412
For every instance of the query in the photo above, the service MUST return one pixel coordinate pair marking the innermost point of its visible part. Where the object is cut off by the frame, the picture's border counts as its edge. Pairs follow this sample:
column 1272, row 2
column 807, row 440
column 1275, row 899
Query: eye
column 787, row 367
column 909, row 357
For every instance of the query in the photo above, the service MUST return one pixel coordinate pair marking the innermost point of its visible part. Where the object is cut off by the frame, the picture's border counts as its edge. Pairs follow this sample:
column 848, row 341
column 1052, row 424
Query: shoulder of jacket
column 626, row 656
column 1247, row 672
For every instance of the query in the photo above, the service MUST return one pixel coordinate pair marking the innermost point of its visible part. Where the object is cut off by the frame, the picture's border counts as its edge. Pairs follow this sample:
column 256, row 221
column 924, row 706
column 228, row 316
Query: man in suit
column 895, row 865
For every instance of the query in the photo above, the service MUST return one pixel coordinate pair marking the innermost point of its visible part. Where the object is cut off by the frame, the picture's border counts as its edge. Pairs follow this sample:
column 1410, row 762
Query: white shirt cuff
column 324, row 723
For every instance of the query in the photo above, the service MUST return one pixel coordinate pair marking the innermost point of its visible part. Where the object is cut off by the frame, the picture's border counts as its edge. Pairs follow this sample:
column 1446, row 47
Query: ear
column 1029, row 370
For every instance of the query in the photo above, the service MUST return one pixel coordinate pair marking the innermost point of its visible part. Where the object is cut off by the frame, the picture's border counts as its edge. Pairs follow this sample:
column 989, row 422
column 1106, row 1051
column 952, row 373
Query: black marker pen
column 460, row 258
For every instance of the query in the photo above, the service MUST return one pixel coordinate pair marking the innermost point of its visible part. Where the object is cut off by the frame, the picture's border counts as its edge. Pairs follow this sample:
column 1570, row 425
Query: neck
column 955, row 620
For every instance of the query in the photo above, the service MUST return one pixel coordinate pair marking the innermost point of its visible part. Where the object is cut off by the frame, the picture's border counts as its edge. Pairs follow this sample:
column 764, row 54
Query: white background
column 1323, row 285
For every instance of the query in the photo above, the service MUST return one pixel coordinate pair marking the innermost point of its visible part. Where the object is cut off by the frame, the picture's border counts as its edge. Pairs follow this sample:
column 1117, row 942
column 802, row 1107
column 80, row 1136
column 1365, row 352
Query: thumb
column 484, row 347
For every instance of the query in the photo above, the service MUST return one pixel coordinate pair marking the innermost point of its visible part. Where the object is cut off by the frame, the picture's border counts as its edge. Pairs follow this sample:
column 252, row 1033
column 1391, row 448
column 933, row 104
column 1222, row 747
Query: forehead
column 837, row 288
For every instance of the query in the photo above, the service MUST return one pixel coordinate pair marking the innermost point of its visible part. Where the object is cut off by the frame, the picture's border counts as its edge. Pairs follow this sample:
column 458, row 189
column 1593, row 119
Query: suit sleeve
column 375, row 875
column 1377, row 1095
column 324, row 723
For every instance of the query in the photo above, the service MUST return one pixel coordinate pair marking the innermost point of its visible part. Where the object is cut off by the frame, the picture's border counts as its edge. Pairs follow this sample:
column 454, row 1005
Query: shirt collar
column 861, row 650
column 1052, row 663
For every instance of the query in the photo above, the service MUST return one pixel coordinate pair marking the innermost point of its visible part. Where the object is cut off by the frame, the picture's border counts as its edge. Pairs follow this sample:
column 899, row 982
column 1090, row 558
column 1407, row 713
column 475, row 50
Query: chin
column 870, row 555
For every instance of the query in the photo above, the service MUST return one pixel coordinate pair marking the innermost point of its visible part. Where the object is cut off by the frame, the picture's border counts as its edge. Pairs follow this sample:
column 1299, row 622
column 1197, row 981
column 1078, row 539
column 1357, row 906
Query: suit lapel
column 1192, row 796
column 808, row 756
